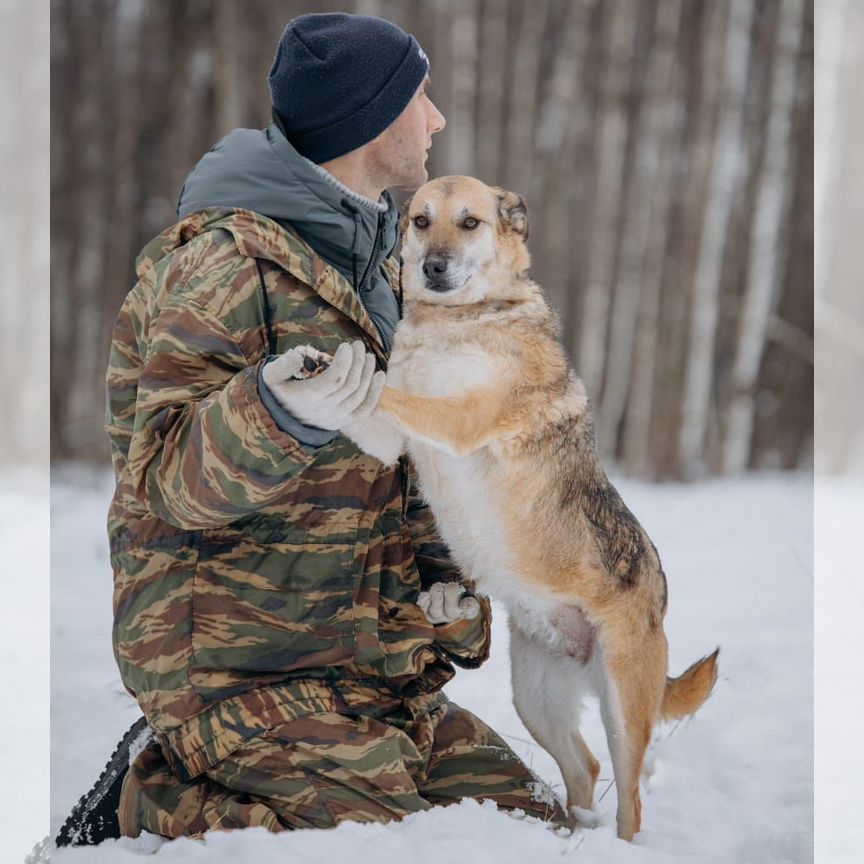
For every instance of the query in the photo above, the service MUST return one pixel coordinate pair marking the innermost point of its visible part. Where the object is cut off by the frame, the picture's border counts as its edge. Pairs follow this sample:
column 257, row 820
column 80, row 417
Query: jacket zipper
column 370, row 266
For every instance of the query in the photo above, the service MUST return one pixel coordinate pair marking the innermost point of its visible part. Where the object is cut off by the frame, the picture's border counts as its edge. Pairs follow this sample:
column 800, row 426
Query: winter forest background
column 664, row 148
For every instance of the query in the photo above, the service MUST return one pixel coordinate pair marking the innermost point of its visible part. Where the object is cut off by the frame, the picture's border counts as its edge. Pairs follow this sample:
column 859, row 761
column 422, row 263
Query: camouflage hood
column 259, row 170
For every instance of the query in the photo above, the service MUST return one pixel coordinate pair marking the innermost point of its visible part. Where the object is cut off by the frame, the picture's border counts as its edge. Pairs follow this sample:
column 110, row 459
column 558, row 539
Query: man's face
column 397, row 157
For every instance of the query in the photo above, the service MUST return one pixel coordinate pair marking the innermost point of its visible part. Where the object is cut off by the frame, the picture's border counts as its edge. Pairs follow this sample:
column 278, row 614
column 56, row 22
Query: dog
column 480, row 393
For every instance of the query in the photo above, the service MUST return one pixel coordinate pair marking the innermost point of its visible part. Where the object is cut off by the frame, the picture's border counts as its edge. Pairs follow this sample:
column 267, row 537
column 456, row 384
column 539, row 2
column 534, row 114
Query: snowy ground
column 24, row 640
column 839, row 679
column 732, row 785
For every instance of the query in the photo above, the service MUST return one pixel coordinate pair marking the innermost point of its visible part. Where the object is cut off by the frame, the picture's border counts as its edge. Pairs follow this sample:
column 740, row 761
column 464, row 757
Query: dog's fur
column 480, row 393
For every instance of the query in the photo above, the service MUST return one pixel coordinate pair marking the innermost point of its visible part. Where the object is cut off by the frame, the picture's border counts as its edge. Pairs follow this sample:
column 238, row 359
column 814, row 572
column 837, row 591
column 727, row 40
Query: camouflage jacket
column 256, row 578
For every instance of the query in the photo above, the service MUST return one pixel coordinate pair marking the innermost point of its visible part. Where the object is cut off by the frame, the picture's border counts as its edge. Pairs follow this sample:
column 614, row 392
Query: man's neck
column 351, row 171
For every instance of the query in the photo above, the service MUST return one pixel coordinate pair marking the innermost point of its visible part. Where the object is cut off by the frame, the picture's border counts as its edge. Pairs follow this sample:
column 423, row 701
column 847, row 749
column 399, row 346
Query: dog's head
column 463, row 240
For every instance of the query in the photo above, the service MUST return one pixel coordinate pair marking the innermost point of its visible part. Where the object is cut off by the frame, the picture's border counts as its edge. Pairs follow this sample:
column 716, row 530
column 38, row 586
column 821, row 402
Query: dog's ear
column 403, row 219
column 512, row 212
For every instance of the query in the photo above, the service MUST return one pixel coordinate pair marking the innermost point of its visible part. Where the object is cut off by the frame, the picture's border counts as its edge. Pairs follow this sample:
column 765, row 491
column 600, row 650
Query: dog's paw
column 310, row 361
column 588, row 818
column 446, row 602
column 376, row 437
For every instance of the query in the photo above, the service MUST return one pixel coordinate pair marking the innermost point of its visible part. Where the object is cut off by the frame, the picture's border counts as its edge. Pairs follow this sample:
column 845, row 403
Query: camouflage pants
column 319, row 770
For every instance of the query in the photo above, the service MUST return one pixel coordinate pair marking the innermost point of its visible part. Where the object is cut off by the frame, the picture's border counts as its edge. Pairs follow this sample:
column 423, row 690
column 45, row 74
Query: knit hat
column 339, row 80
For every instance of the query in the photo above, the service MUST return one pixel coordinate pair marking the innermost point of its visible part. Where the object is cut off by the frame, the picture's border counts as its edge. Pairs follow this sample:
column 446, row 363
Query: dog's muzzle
column 438, row 272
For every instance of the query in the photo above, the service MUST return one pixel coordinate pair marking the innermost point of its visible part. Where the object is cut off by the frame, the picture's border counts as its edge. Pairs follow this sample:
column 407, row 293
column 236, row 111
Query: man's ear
column 403, row 219
column 512, row 212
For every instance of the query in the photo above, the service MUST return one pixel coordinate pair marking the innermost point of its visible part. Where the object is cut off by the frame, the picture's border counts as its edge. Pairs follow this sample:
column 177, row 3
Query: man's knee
column 153, row 799
column 313, row 772
column 471, row 760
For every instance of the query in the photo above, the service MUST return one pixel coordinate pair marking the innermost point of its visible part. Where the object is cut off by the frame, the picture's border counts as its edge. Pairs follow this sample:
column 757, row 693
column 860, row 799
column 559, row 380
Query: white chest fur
column 440, row 372
column 461, row 490
column 464, row 493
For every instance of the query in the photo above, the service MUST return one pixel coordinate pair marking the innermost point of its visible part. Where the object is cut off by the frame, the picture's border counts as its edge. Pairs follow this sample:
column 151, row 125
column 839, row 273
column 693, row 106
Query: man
column 267, row 572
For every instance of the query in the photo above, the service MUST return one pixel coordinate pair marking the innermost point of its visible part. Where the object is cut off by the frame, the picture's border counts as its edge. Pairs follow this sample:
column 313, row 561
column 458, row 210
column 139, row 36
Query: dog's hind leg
column 631, row 690
column 547, row 691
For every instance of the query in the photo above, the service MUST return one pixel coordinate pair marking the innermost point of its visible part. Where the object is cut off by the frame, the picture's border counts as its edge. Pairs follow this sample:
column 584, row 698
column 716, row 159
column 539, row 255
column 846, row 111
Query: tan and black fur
column 480, row 392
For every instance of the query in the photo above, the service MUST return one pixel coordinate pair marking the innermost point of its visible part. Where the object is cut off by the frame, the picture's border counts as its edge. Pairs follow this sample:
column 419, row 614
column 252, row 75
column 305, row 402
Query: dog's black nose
column 435, row 265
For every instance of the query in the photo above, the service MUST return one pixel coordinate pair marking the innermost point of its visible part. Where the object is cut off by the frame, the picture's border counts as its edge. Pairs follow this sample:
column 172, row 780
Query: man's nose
column 436, row 121
column 435, row 265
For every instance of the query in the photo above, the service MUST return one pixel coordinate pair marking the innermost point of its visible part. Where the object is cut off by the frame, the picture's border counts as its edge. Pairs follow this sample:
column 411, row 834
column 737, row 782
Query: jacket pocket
column 260, row 612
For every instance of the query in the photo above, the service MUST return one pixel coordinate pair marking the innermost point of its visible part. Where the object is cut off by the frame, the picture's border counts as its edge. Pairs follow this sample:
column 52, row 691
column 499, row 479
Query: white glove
column 445, row 603
column 348, row 387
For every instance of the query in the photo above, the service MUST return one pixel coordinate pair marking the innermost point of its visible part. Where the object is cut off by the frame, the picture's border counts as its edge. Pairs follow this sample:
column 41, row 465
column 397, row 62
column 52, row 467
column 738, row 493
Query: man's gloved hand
column 446, row 602
column 349, row 386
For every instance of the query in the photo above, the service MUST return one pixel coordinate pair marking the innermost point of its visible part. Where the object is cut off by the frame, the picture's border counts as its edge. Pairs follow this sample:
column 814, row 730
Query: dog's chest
column 463, row 491
column 439, row 371
column 463, row 495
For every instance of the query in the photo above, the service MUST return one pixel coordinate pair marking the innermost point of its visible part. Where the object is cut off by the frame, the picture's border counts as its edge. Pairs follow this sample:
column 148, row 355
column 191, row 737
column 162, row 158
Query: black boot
column 94, row 817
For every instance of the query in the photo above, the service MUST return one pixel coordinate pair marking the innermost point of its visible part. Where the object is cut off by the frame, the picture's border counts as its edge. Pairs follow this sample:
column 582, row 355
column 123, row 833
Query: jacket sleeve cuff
column 311, row 436
column 467, row 641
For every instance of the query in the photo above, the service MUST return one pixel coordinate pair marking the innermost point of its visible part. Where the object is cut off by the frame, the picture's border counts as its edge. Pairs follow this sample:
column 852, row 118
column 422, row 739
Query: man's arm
column 466, row 641
column 205, row 450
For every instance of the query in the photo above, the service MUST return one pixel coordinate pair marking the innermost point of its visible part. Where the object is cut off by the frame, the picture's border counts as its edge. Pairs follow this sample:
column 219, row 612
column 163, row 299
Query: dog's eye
column 470, row 223
column 420, row 222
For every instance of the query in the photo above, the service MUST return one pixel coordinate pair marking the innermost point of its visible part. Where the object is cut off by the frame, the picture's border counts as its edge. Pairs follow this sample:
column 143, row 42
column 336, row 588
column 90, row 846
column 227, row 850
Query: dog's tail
column 684, row 694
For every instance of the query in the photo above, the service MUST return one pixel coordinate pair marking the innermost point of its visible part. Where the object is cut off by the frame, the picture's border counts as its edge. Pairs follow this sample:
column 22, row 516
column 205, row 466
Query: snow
column 839, row 673
column 24, row 640
column 734, row 784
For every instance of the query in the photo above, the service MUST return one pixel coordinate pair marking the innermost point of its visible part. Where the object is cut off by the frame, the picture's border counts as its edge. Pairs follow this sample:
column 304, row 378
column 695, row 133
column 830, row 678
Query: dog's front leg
column 376, row 435
column 459, row 424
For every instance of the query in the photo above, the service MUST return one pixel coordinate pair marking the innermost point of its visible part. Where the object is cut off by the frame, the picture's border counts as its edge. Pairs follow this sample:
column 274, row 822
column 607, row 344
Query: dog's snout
column 435, row 265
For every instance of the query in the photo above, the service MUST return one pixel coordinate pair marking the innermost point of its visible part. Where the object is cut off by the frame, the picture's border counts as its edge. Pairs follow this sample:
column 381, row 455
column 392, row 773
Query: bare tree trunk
column 636, row 451
column 763, row 264
column 609, row 151
column 782, row 436
column 523, row 98
column 89, row 231
column 119, row 251
column 640, row 198
column 441, row 54
column 561, row 129
column 582, row 184
column 367, row 7
column 703, row 29
column 226, row 66
column 65, row 69
column 490, row 106
column 558, row 105
column 728, row 160
column 184, row 142
column 463, row 19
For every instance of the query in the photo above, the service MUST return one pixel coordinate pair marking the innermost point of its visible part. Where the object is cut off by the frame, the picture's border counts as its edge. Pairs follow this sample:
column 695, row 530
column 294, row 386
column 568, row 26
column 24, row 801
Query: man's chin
column 412, row 183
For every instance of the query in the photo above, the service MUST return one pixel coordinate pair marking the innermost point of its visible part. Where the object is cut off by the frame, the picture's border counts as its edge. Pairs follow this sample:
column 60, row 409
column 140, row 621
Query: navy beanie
column 339, row 80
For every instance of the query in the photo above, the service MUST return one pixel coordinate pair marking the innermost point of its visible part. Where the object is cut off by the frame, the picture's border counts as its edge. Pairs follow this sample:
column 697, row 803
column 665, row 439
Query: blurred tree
column 663, row 147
